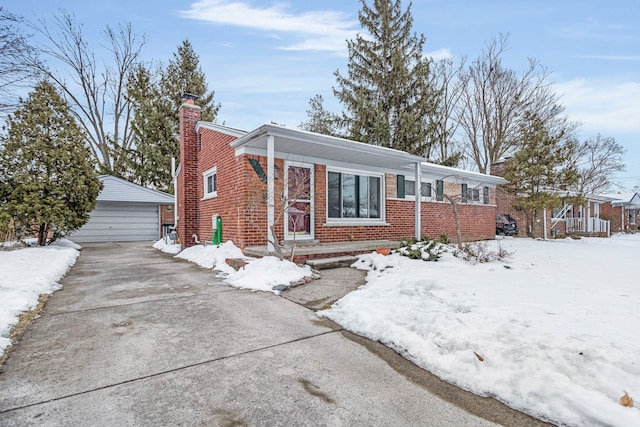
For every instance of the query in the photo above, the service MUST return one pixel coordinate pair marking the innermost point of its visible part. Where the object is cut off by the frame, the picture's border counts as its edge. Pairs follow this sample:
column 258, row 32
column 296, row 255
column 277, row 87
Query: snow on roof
column 624, row 197
column 119, row 190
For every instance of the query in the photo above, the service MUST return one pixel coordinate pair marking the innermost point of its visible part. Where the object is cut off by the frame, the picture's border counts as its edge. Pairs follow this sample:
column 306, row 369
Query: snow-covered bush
column 426, row 250
column 479, row 252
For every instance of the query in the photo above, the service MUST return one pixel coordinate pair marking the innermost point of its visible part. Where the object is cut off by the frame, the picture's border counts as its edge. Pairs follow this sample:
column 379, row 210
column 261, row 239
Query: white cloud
column 437, row 55
column 603, row 105
column 315, row 30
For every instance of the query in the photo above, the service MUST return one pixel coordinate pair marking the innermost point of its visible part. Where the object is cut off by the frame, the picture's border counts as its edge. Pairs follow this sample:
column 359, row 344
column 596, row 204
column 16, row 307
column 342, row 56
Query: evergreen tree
column 541, row 166
column 387, row 93
column 320, row 120
column 154, row 133
column 49, row 180
column 184, row 74
column 155, row 122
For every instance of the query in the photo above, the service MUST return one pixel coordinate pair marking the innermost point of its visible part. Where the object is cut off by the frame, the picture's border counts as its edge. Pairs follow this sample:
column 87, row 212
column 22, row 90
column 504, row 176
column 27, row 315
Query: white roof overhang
column 309, row 147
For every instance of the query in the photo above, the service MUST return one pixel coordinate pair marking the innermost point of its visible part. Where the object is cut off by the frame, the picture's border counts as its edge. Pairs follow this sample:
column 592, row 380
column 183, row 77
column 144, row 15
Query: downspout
column 175, row 192
column 544, row 222
column 418, row 193
column 270, row 192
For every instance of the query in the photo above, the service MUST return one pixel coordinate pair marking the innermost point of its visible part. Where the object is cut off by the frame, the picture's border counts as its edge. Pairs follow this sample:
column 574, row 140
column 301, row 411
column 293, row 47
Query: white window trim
column 356, row 221
column 206, row 174
column 422, row 198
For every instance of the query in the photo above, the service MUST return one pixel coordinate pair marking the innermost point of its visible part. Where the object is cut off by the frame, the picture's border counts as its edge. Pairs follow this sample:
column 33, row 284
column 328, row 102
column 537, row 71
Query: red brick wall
column 216, row 152
column 166, row 214
column 477, row 222
column 241, row 204
column 613, row 214
column 504, row 200
column 188, row 177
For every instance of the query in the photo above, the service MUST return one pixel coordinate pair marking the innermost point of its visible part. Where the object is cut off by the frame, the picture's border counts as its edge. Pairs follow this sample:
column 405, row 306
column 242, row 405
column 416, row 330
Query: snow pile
column 28, row 273
column 554, row 332
column 169, row 248
column 210, row 256
column 266, row 273
column 261, row 274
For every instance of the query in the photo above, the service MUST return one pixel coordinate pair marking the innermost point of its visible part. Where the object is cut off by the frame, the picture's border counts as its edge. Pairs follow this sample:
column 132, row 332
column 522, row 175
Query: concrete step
column 335, row 262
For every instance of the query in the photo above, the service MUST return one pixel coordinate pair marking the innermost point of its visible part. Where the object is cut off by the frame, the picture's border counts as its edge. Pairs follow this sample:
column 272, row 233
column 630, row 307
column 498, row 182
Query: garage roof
column 120, row 190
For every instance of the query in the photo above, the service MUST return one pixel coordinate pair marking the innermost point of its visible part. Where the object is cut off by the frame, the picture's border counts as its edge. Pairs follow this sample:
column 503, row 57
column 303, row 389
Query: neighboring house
column 336, row 190
column 623, row 210
column 584, row 218
column 127, row 212
column 568, row 218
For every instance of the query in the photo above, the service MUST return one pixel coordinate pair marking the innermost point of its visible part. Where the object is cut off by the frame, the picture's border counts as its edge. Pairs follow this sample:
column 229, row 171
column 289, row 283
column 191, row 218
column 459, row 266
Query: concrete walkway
column 138, row 338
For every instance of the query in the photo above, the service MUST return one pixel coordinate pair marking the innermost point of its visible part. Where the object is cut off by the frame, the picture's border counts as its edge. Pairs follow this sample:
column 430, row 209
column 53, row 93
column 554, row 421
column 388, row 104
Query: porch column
column 418, row 193
column 270, row 190
column 589, row 228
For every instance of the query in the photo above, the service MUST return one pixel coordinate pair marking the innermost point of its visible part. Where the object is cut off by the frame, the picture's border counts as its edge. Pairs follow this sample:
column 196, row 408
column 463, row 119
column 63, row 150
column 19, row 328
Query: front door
column 299, row 203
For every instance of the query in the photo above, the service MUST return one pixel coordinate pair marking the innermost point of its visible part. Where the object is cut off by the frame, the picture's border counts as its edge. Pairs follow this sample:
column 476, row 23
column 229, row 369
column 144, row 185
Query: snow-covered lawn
column 557, row 325
column 25, row 275
column 553, row 331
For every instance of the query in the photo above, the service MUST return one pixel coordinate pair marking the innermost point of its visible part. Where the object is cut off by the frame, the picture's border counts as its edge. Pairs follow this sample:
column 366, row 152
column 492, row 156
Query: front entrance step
column 335, row 262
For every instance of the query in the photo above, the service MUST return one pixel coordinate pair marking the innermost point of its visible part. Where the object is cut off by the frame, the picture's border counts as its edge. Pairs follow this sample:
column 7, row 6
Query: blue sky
column 265, row 59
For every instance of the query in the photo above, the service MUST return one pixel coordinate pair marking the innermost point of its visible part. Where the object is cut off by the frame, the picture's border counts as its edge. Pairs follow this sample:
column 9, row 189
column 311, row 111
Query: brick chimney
column 498, row 168
column 188, row 203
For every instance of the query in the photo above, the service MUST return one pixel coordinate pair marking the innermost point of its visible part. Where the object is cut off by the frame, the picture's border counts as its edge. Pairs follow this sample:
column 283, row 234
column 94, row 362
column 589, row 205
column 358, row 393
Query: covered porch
column 581, row 218
column 300, row 150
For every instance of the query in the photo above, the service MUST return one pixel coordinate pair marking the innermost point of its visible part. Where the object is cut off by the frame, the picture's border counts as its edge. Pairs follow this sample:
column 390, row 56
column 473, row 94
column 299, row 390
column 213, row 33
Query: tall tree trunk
column 42, row 234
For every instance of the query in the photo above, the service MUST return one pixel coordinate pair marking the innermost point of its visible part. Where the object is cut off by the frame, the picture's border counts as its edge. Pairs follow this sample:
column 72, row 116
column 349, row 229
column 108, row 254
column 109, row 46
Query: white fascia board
column 447, row 173
column 237, row 133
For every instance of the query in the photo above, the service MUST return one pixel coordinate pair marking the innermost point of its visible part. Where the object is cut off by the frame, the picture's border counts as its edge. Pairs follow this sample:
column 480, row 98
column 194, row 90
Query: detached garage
column 124, row 212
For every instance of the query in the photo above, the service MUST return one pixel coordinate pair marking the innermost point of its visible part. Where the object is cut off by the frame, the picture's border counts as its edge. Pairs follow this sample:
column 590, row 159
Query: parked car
column 505, row 224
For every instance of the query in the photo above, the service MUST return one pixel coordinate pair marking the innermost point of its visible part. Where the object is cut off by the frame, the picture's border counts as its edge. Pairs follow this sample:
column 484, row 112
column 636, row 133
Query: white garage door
column 120, row 222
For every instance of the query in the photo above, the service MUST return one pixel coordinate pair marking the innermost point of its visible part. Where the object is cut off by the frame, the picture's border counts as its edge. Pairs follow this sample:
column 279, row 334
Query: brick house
column 315, row 188
column 568, row 218
column 623, row 210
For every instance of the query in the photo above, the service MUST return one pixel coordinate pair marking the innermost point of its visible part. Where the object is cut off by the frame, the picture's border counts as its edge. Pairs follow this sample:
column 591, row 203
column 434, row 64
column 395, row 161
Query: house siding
column 613, row 214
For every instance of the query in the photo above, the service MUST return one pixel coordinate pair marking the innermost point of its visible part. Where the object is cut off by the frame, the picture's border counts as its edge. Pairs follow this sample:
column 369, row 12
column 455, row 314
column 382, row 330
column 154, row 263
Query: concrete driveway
column 137, row 337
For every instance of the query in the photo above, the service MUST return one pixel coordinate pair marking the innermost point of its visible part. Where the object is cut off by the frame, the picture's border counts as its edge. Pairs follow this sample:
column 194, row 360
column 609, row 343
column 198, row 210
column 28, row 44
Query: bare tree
column 96, row 92
column 289, row 190
column 447, row 80
column 493, row 100
column 598, row 159
column 15, row 72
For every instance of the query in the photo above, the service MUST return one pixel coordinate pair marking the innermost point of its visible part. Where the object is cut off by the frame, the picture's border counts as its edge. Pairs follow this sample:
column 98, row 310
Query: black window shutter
column 485, row 195
column 464, row 193
column 400, row 181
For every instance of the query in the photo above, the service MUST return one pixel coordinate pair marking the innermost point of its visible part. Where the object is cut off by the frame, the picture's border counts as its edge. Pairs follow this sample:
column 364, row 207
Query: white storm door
column 299, row 202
